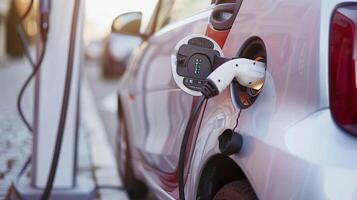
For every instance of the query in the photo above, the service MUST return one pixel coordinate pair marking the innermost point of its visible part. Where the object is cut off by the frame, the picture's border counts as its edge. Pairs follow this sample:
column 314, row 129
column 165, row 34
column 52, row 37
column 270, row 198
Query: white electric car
column 299, row 131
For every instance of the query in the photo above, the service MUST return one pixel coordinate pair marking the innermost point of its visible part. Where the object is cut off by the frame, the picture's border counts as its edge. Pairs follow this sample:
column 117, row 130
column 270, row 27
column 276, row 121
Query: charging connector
column 199, row 68
column 248, row 73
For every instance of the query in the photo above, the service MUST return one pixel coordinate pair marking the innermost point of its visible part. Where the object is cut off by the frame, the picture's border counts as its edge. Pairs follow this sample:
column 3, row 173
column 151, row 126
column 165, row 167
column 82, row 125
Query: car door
column 167, row 108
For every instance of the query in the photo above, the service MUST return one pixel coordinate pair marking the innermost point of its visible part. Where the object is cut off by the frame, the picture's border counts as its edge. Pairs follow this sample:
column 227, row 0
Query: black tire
column 237, row 190
column 135, row 188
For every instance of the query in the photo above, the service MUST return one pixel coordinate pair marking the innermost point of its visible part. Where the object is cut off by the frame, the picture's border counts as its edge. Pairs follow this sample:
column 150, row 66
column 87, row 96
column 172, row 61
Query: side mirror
column 128, row 24
column 120, row 43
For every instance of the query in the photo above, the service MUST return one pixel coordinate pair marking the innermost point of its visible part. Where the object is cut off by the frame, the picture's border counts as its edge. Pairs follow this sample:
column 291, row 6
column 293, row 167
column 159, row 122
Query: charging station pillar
column 49, row 90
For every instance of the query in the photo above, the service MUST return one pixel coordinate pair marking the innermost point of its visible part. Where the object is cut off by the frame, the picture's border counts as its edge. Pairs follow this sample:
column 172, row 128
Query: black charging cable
column 23, row 88
column 209, row 90
column 35, row 68
column 44, row 27
column 34, row 65
column 186, row 136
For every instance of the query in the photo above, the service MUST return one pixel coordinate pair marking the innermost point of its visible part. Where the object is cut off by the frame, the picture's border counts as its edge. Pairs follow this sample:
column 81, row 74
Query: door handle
column 224, row 14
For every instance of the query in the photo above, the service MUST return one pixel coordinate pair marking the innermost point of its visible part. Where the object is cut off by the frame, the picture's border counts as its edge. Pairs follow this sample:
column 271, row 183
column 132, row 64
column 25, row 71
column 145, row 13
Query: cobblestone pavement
column 102, row 156
column 15, row 140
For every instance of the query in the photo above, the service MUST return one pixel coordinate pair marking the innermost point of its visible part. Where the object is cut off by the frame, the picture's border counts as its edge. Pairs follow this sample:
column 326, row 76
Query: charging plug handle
column 249, row 73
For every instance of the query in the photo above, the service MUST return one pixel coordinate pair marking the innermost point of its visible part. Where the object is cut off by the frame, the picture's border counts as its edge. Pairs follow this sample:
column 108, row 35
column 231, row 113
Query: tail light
column 343, row 68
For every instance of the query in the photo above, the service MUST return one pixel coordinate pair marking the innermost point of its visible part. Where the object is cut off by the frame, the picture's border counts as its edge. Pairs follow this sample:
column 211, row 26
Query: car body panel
column 158, row 140
column 290, row 121
column 292, row 147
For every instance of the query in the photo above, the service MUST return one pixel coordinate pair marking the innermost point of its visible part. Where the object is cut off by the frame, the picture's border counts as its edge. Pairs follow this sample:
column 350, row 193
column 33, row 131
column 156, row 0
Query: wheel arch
column 218, row 171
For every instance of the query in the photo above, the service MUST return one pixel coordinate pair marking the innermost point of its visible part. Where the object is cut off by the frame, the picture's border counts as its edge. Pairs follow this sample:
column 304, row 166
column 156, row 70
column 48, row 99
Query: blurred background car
column 120, row 43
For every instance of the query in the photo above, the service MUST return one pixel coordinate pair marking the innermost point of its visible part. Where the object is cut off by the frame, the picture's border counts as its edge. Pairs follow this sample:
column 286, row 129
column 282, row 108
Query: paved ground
column 15, row 140
column 101, row 154
column 105, row 95
column 104, row 91
column 97, row 107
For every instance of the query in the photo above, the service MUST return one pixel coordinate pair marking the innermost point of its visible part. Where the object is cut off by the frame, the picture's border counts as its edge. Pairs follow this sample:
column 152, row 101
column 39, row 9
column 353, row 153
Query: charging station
column 49, row 91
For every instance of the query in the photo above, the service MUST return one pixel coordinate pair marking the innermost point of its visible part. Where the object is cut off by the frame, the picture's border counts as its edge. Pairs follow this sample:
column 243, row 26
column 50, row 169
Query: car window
column 170, row 11
column 175, row 10
column 158, row 16
column 186, row 8
column 165, row 8
column 149, row 17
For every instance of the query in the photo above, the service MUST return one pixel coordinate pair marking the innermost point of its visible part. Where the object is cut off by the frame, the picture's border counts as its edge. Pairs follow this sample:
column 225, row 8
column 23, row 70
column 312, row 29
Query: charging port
column 244, row 97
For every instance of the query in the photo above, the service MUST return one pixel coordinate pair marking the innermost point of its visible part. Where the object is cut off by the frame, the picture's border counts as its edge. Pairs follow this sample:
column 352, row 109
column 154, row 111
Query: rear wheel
column 134, row 187
column 237, row 190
